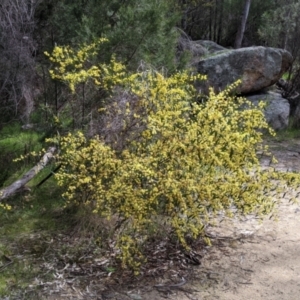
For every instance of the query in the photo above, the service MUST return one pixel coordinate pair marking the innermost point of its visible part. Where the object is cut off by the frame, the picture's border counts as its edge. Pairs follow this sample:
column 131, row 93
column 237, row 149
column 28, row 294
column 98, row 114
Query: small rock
column 135, row 296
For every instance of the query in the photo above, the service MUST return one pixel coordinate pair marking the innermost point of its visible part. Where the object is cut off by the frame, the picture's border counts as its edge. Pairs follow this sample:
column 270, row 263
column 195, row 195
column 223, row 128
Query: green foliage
column 218, row 20
column 26, row 233
column 153, row 41
column 134, row 31
column 13, row 139
column 137, row 30
column 179, row 161
column 13, row 143
column 289, row 134
column 284, row 32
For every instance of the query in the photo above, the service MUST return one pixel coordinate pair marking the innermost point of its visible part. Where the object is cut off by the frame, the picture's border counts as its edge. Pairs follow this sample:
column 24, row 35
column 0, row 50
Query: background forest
column 110, row 84
column 137, row 31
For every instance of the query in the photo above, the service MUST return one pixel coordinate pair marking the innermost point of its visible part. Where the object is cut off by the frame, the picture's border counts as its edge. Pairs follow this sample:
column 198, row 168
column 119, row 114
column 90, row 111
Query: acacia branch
column 17, row 185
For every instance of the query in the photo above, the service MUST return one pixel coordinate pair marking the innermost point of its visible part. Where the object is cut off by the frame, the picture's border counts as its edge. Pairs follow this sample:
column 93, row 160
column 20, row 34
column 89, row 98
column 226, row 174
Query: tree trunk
column 210, row 37
column 184, row 15
column 220, row 23
column 215, row 21
column 241, row 30
column 19, row 184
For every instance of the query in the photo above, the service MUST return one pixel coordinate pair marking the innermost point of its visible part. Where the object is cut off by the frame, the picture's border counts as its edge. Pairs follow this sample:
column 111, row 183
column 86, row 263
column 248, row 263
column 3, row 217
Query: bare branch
column 19, row 184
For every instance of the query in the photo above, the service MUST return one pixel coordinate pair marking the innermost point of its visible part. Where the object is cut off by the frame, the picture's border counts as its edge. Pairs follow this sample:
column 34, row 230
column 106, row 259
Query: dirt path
column 256, row 261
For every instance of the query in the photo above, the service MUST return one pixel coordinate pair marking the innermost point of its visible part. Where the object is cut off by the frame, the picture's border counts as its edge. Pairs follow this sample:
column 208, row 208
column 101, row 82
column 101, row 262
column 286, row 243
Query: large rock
column 210, row 46
column 277, row 110
column 257, row 67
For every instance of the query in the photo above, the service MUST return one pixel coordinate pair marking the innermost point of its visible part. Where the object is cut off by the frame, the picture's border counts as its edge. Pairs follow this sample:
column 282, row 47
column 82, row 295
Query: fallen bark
column 19, row 184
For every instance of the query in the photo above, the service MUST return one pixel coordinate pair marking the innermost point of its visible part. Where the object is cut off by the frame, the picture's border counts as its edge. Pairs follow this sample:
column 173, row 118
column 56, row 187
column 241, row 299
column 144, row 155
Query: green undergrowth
column 14, row 139
column 287, row 134
column 35, row 217
column 15, row 142
column 26, row 235
column 284, row 135
column 38, row 237
column 37, row 229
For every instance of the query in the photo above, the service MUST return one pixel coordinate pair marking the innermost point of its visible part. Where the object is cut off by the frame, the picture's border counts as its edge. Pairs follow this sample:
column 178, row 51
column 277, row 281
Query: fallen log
column 19, row 184
column 48, row 176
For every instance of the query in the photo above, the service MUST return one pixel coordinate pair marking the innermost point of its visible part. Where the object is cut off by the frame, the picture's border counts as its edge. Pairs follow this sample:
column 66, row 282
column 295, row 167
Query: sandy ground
column 256, row 260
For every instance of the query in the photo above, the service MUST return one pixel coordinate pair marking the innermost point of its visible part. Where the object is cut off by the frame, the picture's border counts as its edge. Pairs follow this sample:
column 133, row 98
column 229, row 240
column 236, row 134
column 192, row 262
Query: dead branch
column 19, row 184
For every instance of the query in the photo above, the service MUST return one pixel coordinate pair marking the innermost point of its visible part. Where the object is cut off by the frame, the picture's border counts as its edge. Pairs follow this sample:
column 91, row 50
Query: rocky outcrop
column 277, row 110
column 257, row 67
column 209, row 46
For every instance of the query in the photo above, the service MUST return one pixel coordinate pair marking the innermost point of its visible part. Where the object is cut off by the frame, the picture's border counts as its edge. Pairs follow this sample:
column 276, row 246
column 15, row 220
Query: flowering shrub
column 73, row 67
column 186, row 161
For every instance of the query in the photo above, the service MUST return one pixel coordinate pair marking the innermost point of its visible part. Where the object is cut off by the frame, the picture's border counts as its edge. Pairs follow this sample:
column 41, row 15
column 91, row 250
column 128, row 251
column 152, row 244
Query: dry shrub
column 118, row 125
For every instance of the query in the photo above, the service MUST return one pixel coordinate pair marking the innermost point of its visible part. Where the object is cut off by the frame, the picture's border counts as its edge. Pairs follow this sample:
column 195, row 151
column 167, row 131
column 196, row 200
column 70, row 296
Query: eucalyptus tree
column 242, row 27
column 281, row 26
